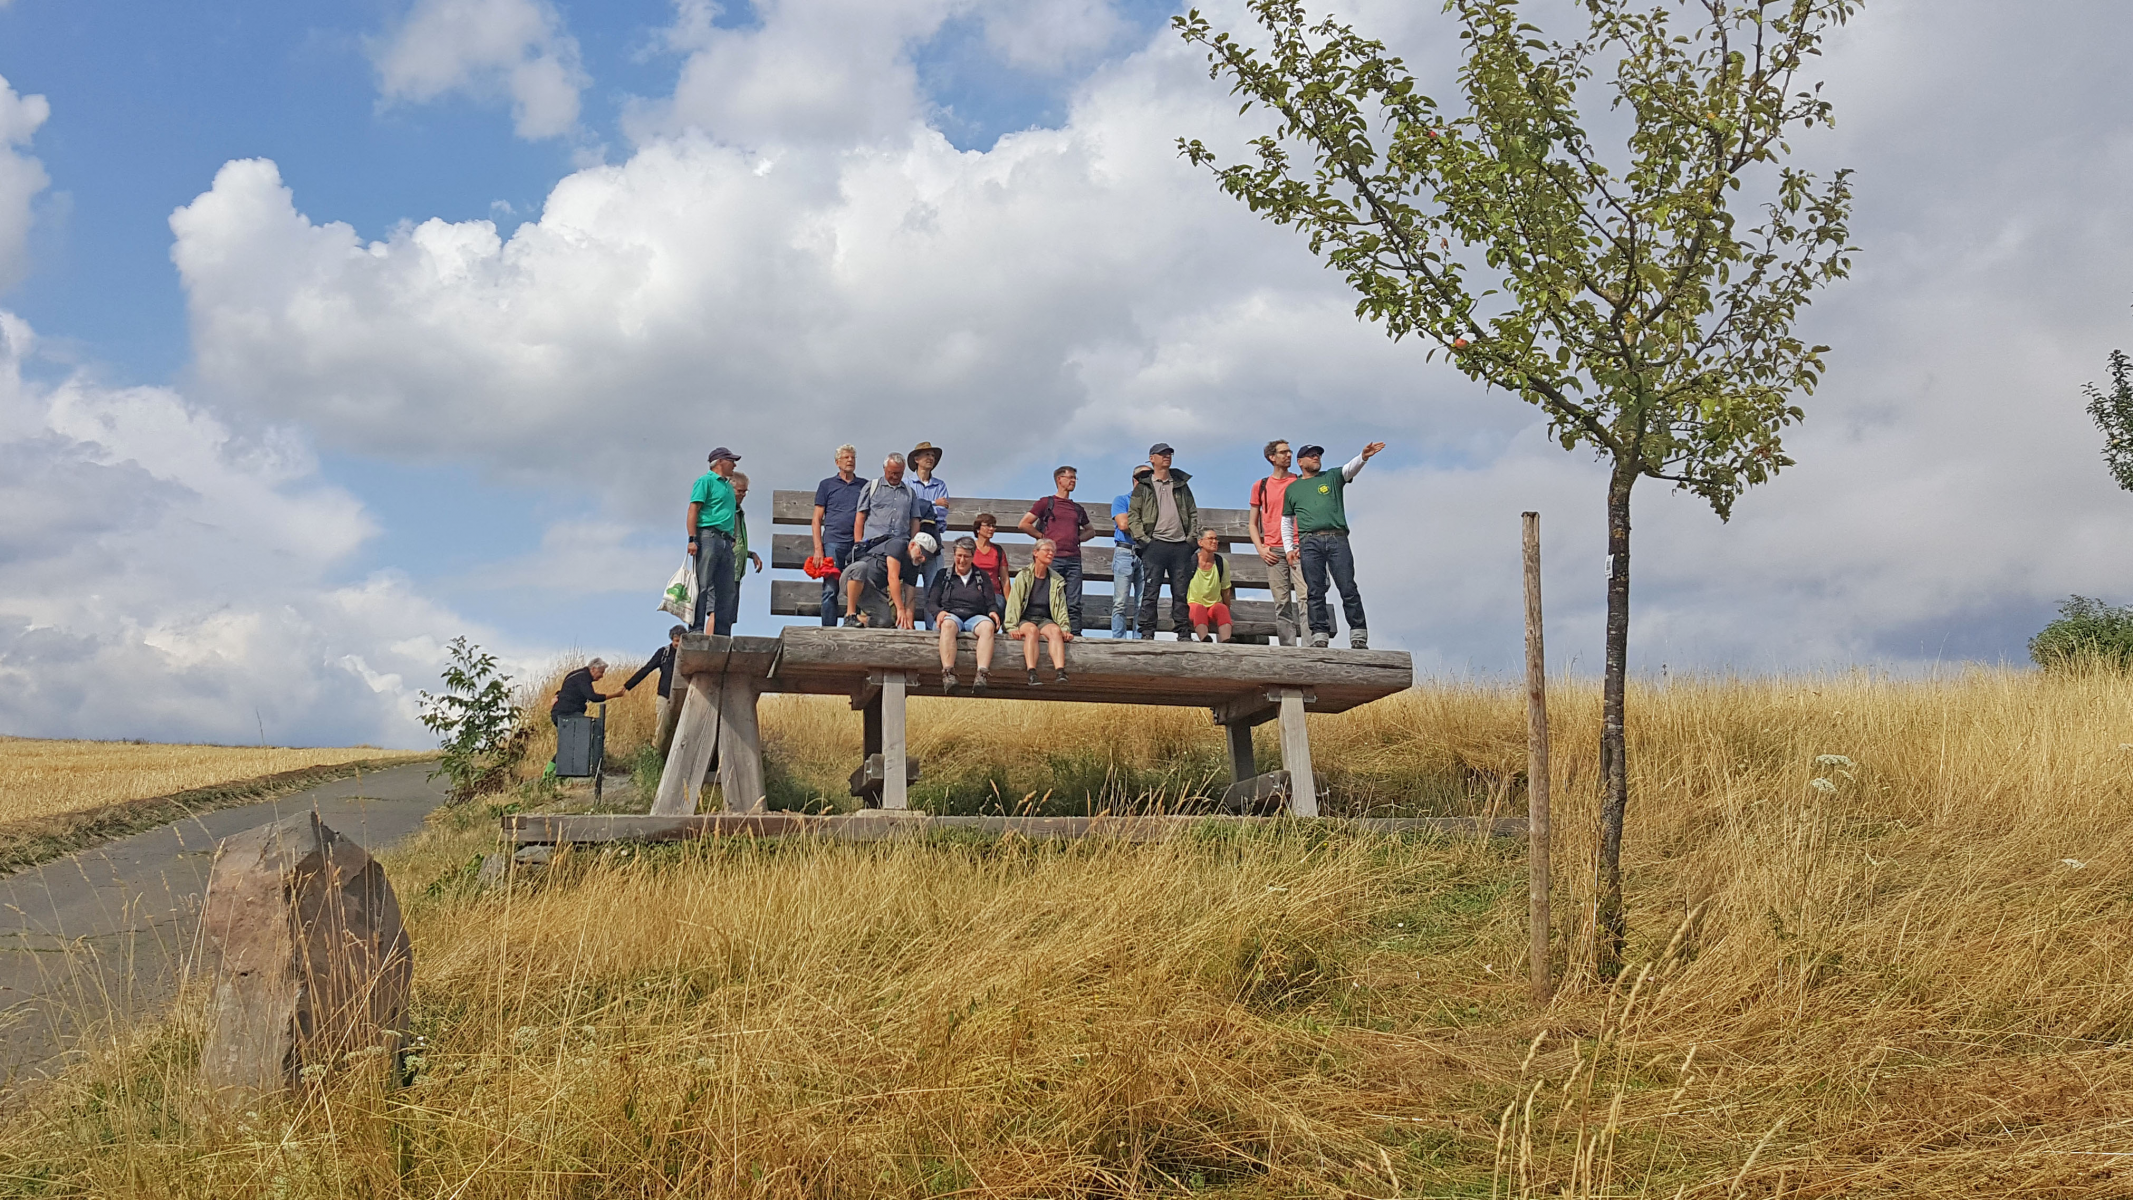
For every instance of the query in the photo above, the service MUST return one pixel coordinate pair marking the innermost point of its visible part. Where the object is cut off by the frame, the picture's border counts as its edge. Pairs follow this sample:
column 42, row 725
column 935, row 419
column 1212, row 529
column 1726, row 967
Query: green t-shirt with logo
column 1315, row 502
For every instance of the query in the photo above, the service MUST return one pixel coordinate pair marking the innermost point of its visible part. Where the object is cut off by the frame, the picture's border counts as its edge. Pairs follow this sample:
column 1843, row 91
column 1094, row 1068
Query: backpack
column 1050, row 504
column 920, row 506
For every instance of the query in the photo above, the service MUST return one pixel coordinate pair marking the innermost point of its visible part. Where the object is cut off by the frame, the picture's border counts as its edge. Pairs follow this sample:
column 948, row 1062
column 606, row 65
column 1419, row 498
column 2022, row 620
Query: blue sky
column 339, row 330
column 149, row 100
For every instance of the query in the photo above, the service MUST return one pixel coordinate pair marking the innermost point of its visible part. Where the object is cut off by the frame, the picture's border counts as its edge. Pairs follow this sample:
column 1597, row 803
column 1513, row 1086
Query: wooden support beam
column 895, row 791
column 740, row 757
column 695, row 738
column 1241, row 764
column 551, row 829
column 1296, row 755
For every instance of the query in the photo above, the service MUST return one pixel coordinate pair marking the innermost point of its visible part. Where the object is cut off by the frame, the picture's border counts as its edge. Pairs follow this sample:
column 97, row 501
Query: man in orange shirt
column 1283, row 577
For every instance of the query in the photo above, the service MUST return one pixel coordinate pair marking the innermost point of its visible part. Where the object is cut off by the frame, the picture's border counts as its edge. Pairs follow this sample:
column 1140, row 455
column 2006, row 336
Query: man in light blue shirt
column 1125, row 559
column 934, row 520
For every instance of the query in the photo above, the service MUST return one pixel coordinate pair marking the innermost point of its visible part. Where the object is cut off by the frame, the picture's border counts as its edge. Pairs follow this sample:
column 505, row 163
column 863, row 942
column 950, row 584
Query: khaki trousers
column 1285, row 579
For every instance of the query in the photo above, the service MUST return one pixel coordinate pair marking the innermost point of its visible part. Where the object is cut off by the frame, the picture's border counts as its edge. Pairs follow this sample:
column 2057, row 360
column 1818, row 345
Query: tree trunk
column 1610, row 928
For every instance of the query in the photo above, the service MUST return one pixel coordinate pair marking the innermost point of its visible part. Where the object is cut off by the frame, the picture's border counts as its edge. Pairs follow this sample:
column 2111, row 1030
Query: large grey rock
column 309, row 959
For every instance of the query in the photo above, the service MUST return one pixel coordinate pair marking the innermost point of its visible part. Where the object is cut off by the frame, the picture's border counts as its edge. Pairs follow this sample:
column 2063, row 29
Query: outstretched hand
column 1370, row 451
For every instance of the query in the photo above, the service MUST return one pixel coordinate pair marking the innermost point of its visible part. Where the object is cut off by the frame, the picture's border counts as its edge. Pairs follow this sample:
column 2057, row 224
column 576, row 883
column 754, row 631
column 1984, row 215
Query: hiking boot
column 947, row 683
column 1359, row 638
column 1319, row 641
column 978, row 685
column 1059, row 676
column 1033, row 678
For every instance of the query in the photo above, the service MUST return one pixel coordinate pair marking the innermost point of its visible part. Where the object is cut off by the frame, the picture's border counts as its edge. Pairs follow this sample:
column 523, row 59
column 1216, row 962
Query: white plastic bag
column 680, row 596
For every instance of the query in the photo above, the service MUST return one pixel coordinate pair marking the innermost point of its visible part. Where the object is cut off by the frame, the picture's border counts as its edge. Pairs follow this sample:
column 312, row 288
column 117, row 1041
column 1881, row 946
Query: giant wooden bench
column 1253, row 619
column 1241, row 686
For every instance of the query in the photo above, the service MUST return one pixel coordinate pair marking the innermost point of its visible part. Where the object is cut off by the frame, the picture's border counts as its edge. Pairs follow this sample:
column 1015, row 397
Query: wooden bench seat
column 1240, row 685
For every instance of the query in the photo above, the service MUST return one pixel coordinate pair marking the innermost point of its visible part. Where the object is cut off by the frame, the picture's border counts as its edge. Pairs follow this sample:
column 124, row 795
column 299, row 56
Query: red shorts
column 1214, row 616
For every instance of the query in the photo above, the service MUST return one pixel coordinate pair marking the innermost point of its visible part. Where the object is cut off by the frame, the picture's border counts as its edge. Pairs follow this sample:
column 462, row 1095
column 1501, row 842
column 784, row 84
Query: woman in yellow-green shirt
column 1210, row 593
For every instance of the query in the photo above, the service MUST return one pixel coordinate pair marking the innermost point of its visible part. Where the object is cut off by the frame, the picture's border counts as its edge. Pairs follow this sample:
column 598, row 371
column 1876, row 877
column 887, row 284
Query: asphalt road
column 98, row 940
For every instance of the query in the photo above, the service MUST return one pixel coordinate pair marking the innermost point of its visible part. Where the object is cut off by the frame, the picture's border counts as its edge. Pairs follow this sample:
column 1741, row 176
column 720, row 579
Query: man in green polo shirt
column 1314, row 533
column 711, row 524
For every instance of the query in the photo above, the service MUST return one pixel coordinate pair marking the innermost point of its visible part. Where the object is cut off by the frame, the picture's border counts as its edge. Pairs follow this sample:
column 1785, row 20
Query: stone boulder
column 308, row 958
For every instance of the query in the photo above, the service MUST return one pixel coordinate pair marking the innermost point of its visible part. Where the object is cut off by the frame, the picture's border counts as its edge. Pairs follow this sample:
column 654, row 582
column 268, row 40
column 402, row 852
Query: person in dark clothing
column 836, row 504
column 662, row 661
column 1057, row 517
column 578, row 690
column 1161, row 516
column 962, row 602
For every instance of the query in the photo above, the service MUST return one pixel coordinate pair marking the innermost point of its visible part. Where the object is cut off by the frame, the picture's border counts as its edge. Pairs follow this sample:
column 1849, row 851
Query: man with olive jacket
column 1162, row 518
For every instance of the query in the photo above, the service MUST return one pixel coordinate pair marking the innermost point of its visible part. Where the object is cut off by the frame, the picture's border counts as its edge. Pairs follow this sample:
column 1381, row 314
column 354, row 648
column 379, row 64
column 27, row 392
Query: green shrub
column 478, row 725
column 2088, row 632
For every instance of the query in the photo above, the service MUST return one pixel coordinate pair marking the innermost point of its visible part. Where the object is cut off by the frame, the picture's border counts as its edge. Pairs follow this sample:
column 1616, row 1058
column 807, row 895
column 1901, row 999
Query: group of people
column 881, row 550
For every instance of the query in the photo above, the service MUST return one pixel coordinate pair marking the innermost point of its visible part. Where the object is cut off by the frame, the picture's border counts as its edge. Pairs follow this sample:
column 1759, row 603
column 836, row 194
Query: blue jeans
column 839, row 551
column 1125, row 588
column 1070, row 574
column 1324, row 553
column 718, row 591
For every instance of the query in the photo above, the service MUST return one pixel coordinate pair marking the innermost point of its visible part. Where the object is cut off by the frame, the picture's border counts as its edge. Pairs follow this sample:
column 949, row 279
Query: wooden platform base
column 548, row 829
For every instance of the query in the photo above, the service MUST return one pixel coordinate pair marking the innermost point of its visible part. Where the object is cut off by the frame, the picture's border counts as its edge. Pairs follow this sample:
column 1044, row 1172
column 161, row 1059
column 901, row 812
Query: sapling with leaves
column 475, row 719
column 2113, row 411
column 1631, row 263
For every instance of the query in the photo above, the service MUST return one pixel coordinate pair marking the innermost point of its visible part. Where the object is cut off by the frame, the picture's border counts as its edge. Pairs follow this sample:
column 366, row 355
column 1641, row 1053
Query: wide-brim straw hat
column 924, row 448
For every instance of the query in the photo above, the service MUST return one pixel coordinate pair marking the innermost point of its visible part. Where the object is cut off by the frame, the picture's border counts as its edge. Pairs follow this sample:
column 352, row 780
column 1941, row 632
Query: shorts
column 963, row 624
column 1214, row 616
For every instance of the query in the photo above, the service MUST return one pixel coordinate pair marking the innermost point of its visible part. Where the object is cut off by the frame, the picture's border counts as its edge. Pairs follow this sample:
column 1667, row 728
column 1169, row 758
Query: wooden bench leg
column 1242, row 766
column 740, row 755
column 695, row 737
column 1296, row 755
column 895, row 788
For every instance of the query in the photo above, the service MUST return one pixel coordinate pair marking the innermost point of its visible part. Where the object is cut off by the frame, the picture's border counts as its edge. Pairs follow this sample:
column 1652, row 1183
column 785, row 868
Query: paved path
column 103, row 934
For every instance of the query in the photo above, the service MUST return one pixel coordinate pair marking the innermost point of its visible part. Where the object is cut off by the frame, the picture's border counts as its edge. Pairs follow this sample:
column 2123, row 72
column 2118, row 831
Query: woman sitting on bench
column 961, row 599
column 1036, row 603
column 1210, row 593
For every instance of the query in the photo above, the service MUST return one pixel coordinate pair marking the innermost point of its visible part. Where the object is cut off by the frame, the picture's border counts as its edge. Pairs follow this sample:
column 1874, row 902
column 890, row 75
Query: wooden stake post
column 1536, row 764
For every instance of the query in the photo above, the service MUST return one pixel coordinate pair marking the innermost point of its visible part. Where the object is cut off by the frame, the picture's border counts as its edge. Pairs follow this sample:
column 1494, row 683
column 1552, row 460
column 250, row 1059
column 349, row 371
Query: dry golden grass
column 1912, row 978
column 44, row 778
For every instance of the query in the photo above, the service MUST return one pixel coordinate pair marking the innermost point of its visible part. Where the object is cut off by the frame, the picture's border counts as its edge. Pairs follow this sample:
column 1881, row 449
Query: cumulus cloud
column 793, row 258
column 21, row 177
column 167, row 578
column 487, row 48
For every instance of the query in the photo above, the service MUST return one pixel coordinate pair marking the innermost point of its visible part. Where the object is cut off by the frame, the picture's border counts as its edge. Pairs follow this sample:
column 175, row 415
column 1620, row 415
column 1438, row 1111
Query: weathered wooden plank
column 1244, row 666
column 705, row 652
column 790, row 551
column 798, row 508
column 1242, row 764
column 1296, row 755
column 740, row 747
column 593, row 829
column 1253, row 618
column 895, row 791
column 695, row 738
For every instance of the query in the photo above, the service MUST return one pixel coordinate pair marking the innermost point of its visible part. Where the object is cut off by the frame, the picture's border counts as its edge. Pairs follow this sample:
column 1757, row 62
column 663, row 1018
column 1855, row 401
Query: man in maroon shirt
column 1057, row 517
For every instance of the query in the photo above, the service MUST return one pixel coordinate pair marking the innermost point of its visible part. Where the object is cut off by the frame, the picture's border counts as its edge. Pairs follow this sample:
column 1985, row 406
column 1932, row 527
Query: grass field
column 46, row 778
column 1882, row 946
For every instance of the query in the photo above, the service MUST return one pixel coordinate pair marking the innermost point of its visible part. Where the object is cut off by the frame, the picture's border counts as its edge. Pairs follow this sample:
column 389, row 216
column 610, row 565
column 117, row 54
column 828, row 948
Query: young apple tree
column 2113, row 411
column 1605, row 225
